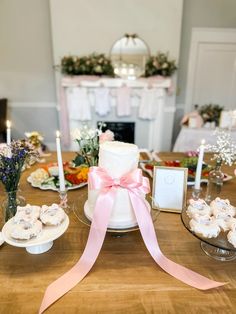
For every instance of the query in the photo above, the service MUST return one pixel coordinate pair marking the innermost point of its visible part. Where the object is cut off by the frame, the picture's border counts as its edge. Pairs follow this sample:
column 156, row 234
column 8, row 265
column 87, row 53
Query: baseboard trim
column 32, row 104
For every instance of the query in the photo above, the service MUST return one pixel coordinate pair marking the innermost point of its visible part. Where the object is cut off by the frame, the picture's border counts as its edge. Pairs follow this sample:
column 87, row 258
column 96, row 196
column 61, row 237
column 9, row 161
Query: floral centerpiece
column 35, row 138
column 89, row 140
column 94, row 64
column 160, row 64
column 224, row 153
column 12, row 160
column 225, row 149
column 210, row 113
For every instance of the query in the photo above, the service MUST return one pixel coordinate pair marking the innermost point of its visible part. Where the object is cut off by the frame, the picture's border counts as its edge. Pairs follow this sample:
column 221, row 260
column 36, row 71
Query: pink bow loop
column 99, row 179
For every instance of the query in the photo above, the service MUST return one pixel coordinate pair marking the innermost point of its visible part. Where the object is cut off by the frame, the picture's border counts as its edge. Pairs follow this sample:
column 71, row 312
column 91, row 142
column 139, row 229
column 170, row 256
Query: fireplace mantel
column 151, row 134
column 95, row 81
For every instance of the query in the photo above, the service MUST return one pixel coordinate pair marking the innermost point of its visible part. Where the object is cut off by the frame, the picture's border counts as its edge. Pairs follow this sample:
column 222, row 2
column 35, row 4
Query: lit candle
column 199, row 166
column 60, row 163
column 8, row 124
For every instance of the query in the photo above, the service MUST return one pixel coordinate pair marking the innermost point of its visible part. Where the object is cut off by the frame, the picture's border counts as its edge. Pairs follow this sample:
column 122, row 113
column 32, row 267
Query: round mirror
column 129, row 55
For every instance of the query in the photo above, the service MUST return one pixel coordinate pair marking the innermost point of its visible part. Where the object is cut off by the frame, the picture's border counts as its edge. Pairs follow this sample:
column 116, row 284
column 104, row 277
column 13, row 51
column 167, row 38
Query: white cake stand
column 40, row 244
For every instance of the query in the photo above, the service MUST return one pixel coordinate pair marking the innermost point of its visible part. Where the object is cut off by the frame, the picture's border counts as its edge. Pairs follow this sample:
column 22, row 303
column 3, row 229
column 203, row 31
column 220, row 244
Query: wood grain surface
column 124, row 279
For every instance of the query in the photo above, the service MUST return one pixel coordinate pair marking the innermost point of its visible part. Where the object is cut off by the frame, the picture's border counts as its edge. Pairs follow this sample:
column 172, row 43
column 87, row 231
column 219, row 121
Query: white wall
column 26, row 73
column 199, row 13
column 81, row 27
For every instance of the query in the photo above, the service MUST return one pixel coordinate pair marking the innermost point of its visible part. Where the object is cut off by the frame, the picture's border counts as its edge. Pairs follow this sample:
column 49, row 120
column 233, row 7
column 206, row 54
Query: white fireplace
column 152, row 134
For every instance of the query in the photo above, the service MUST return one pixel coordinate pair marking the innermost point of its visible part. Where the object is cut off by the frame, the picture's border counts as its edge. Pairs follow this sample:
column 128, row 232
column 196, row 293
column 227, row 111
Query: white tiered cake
column 117, row 158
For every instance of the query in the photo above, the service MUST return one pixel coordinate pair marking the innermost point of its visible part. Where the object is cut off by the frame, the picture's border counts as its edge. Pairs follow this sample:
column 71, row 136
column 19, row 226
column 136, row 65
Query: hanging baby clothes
column 102, row 101
column 78, row 104
column 151, row 100
column 123, row 106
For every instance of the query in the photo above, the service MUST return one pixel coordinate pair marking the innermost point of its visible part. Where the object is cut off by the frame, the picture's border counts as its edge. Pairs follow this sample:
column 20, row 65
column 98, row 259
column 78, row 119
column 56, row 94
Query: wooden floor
column 124, row 279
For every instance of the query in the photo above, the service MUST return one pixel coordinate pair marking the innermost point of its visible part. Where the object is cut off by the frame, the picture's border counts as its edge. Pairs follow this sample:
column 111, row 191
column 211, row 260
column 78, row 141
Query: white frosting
column 117, row 159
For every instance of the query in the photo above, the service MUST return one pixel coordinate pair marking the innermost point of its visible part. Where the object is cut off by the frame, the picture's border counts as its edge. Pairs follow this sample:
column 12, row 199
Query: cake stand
column 78, row 210
column 218, row 248
column 40, row 244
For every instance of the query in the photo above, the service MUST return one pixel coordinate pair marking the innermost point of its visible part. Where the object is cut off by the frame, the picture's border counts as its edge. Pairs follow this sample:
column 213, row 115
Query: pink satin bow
column 100, row 180
column 136, row 184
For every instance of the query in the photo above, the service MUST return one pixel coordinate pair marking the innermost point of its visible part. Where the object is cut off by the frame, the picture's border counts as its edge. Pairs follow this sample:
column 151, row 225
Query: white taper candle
column 60, row 163
column 8, row 124
column 199, row 166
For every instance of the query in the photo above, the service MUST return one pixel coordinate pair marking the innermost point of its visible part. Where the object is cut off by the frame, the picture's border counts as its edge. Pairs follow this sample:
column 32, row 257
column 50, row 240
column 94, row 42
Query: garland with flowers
column 94, row 64
column 160, row 65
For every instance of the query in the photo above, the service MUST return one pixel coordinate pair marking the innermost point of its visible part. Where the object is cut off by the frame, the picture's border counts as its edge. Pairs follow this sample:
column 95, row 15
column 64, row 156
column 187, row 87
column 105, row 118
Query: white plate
column 49, row 187
column 48, row 234
column 150, row 173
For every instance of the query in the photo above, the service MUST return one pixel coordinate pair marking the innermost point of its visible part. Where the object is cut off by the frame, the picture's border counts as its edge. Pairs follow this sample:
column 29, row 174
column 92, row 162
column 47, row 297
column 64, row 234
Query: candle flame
column 8, row 124
column 58, row 134
column 203, row 141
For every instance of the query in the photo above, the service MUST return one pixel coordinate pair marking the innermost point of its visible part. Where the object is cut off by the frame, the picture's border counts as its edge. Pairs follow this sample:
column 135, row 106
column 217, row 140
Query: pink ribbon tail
column 95, row 240
column 136, row 185
column 149, row 237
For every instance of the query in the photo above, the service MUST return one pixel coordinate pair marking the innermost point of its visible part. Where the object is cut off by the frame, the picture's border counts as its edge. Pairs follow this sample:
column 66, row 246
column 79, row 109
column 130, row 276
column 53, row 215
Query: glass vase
column 215, row 183
column 11, row 200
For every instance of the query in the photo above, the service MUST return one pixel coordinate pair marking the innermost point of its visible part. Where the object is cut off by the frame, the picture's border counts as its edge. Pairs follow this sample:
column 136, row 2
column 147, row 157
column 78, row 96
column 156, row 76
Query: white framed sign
column 169, row 188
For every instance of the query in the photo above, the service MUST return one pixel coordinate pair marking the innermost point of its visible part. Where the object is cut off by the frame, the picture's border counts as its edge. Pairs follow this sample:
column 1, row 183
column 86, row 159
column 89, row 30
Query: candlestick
column 199, row 166
column 8, row 124
column 60, row 163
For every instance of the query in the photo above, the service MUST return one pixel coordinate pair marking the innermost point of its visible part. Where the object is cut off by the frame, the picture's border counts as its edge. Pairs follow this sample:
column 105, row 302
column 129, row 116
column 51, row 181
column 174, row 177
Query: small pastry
column 52, row 215
column 226, row 223
column 199, row 208
column 26, row 213
column 205, row 226
column 231, row 236
column 222, row 208
column 26, row 230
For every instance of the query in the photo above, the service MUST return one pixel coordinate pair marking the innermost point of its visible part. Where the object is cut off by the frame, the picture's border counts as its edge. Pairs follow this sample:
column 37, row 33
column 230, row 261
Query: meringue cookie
column 28, row 213
column 205, row 226
column 198, row 207
column 26, row 230
column 52, row 215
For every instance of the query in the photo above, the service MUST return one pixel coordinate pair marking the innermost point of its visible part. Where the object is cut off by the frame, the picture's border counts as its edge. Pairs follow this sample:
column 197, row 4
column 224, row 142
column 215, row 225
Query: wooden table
column 125, row 279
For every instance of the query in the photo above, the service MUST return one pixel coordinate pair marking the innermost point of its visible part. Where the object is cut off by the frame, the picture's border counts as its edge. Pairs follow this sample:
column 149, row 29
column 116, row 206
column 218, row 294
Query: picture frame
column 169, row 188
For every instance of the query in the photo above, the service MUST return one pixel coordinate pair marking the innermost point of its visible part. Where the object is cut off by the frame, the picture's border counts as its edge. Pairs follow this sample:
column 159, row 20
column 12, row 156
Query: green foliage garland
column 160, row 65
column 94, row 64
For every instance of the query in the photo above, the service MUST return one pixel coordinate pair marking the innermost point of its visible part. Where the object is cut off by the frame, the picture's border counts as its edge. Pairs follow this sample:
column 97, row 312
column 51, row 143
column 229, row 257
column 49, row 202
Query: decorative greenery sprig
column 12, row 159
column 160, row 65
column 225, row 149
column 94, row 64
column 89, row 140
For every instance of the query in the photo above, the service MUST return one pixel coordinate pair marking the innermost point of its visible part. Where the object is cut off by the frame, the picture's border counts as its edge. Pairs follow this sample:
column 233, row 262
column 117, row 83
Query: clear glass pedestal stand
column 196, row 193
column 217, row 253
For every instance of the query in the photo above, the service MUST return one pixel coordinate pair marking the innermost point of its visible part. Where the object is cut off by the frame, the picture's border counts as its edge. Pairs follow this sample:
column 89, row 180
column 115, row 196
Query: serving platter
column 49, row 187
